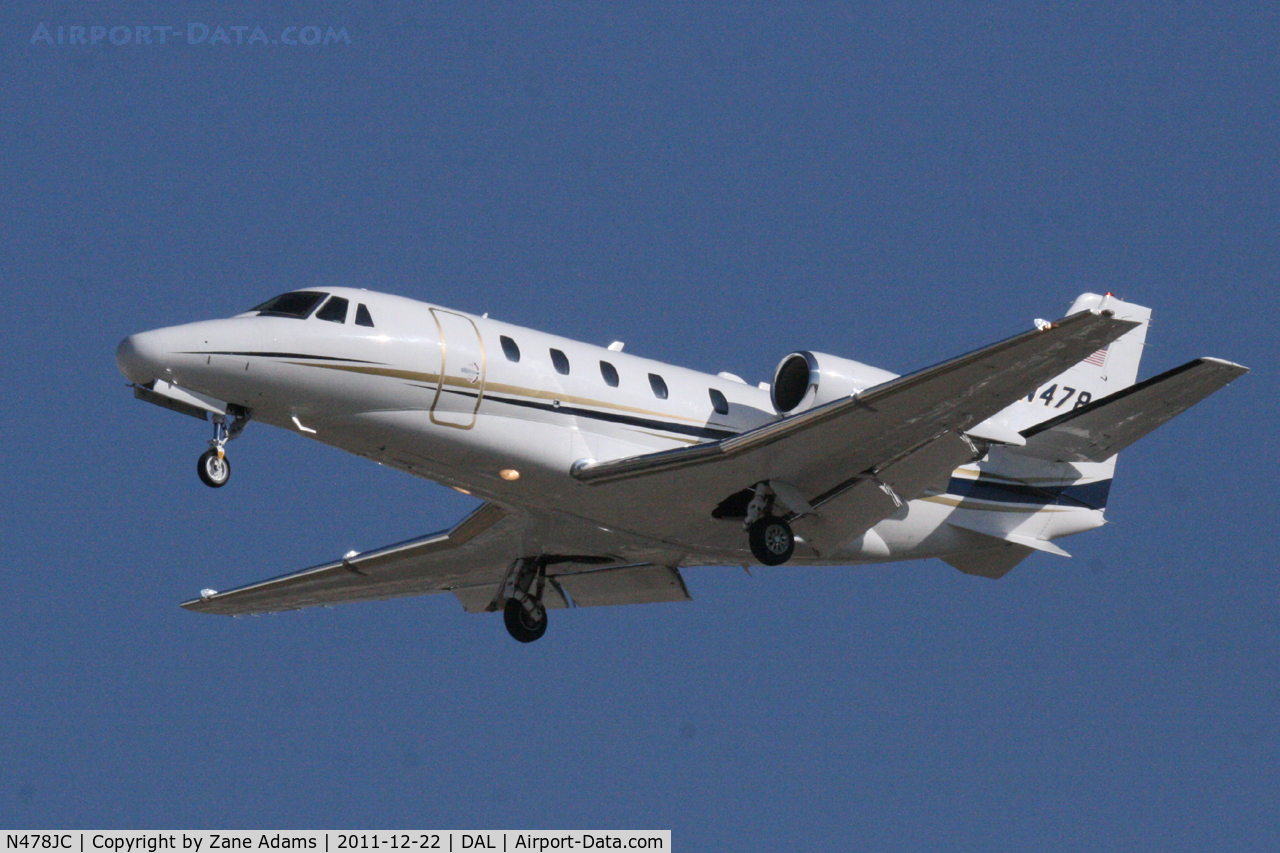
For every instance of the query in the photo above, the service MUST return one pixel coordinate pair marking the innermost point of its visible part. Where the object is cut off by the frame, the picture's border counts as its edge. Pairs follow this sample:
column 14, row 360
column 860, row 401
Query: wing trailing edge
column 470, row 560
column 473, row 551
column 638, row 584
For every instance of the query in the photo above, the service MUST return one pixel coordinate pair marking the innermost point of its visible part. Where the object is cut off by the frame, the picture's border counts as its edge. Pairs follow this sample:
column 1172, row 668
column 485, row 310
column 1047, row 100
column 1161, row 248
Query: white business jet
column 604, row 474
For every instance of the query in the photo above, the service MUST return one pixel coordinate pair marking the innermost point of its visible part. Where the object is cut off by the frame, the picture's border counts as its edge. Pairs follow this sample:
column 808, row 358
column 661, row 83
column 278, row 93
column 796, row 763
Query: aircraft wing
column 470, row 560
column 864, row 454
column 1097, row 431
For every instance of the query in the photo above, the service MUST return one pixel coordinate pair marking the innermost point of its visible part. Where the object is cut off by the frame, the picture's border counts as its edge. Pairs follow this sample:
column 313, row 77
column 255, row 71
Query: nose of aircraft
column 139, row 357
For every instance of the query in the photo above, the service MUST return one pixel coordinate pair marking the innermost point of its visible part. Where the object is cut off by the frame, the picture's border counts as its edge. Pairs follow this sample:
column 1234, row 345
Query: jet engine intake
column 805, row 380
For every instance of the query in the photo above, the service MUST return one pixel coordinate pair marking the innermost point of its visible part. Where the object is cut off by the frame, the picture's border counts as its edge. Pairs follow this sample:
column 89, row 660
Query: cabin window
column 335, row 310
column 510, row 348
column 362, row 316
column 719, row 403
column 658, row 385
column 561, row 362
column 298, row 304
column 610, row 374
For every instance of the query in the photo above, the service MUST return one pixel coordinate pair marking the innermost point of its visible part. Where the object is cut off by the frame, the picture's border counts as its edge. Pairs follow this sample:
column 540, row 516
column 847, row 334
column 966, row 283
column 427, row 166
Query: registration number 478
column 1057, row 398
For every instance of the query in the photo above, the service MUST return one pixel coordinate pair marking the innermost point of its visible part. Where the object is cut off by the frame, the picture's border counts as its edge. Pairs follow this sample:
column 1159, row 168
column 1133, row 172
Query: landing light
column 509, row 474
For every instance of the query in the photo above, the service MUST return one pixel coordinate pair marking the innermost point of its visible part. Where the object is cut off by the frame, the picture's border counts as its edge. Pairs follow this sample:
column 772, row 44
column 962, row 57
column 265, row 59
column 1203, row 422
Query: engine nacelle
column 804, row 380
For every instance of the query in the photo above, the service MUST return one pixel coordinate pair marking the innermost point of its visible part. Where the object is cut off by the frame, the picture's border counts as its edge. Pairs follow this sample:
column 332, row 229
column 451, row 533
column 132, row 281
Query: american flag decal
column 1099, row 358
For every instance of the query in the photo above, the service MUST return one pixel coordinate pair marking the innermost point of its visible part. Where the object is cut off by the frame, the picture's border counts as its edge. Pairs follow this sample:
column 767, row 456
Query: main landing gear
column 523, row 611
column 770, row 536
column 214, row 468
column 772, row 541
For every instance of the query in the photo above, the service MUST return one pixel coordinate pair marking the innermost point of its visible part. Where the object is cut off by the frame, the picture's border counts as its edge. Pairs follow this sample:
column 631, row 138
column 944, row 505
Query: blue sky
column 717, row 186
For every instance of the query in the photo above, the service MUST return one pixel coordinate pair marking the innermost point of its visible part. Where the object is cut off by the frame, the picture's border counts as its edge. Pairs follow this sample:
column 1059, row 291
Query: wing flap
column 849, row 513
column 476, row 599
column 1097, row 431
column 639, row 584
column 625, row 585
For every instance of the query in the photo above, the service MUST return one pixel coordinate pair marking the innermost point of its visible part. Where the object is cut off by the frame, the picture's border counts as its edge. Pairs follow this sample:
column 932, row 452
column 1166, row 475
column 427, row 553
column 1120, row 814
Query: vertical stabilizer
column 1055, row 482
column 1024, row 479
column 1104, row 372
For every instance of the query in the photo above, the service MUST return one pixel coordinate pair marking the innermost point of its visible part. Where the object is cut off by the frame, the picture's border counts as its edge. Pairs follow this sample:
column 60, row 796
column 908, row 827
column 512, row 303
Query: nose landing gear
column 213, row 467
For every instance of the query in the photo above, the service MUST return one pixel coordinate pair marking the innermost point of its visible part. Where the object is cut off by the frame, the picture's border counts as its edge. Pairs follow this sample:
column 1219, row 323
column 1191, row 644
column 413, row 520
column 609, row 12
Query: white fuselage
column 439, row 394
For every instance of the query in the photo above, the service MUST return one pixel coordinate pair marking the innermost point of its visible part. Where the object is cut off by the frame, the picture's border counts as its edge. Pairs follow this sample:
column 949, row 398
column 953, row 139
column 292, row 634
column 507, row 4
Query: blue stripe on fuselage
column 1089, row 495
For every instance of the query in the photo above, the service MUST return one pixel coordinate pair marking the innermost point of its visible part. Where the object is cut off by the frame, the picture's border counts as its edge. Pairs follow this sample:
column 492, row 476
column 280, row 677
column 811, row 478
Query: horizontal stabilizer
column 1097, row 431
column 1014, row 538
column 991, row 563
column 1005, row 550
column 1037, row 544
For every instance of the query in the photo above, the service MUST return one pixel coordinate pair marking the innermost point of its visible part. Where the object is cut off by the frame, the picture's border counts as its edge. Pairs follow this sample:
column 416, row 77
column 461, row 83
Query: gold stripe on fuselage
column 494, row 387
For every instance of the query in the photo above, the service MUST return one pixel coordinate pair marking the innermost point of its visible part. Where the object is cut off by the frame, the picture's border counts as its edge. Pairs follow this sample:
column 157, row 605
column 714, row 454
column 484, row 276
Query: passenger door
column 461, row 370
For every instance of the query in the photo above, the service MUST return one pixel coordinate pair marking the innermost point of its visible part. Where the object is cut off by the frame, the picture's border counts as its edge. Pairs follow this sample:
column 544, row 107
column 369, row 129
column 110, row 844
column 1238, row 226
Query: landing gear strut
column 214, row 468
column 770, row 536
column 523, row 611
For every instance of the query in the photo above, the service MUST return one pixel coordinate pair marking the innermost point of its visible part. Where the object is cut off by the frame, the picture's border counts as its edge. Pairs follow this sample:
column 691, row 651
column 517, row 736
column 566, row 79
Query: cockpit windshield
column 298, row 303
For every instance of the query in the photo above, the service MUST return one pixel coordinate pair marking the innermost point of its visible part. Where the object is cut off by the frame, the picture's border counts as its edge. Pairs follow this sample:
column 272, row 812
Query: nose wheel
column 214, row 467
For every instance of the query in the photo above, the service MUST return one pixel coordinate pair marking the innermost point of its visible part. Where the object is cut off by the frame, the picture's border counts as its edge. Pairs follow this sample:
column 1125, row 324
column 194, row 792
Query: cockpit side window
column 298, row 304
column 718, row 402
column 362, row 316
column 335, row 310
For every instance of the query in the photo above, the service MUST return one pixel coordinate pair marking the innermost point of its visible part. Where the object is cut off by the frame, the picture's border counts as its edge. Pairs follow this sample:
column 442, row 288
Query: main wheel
column 772, row 541
column 523, row 625
column 214, row 471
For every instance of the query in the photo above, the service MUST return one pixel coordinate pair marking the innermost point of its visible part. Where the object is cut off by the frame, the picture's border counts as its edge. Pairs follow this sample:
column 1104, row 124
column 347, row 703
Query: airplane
column 604, row 475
